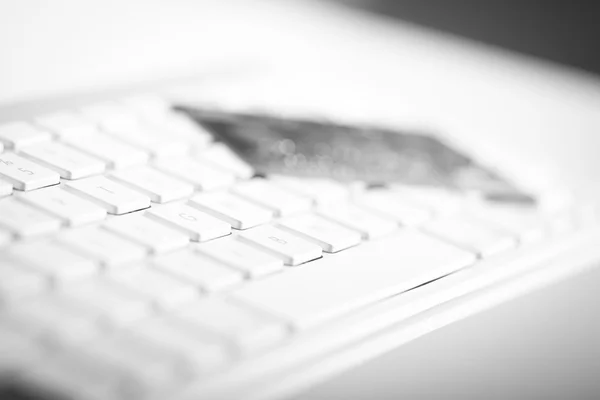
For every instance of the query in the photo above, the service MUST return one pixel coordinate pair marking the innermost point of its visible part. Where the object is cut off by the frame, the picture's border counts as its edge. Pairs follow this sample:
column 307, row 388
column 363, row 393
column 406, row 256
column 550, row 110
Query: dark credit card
column 377, row 156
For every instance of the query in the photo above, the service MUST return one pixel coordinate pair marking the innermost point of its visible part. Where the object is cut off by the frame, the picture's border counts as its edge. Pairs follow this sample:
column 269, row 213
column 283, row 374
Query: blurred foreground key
column 157, row 237
column 103, row 246
column 71, row 209
column 198, row 269
column 26, row 221
column 53, row 260
column 246, row 329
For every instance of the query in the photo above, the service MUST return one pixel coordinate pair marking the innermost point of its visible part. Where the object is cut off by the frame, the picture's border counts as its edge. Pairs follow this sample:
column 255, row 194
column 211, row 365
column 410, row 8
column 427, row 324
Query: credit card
column 374, row 155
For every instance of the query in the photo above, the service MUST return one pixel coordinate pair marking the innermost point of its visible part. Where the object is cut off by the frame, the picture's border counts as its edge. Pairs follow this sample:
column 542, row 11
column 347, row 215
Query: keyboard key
column 221, row 156
column 64, row 205
column 351, row 216
column 266, row 194
column 107, row 248
column 198, row 225
column 394, row 207
column 53, row 321
column 292, row 249
column 329, row 235
column 198, row 353
column 18, row 352
column 158, row 238
column 6, row 188
column 161, row 188
column 234, row 210
column 65, row 124
column 109, row 301
column 68, row 162
column 26, row 221
column 24, row 174
column 241, row 256
column 333, row 286
column 116, row 154
column 158, row 287
column 471, row 235
column 201, row 175
column 160, row 368
column 114, row 197
column 5, row 237
column 247, row 330
column 19, row 282
column 54, row 261
column 17, row 135
column 321, row 191
column 74, row 377
column 200, row 270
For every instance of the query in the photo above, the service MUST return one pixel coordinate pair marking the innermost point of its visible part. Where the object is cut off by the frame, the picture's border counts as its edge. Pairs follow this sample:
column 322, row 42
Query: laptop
column 142, row 259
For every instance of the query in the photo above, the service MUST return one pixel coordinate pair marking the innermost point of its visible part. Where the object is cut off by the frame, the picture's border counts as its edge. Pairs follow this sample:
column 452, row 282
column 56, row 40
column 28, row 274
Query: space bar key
column 332, row 286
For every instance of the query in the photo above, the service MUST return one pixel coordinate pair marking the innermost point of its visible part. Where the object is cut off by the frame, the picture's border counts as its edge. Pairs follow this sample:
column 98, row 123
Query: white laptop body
column 537, row 123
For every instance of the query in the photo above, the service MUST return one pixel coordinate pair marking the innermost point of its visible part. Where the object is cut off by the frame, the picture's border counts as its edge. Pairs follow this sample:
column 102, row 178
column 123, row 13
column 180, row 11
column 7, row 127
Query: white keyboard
column 139, row 259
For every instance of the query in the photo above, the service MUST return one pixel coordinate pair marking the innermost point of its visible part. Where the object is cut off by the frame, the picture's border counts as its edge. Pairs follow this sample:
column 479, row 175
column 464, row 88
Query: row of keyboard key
column 75, row 144
column 226, row 262
column 16, row 135
column 203, row 335
column 195, row 335
column 133, row 290
column 131, row 239
column 86, row 201
column 25, row 174
column 241, row 207
column 208, row 216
